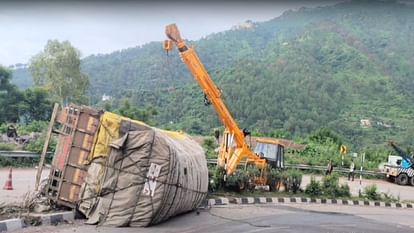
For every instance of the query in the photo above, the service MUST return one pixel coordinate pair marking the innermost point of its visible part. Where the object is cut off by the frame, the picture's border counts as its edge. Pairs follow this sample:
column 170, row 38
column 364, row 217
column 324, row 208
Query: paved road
column 403, row 192
column 23, row 181
column 310, row 218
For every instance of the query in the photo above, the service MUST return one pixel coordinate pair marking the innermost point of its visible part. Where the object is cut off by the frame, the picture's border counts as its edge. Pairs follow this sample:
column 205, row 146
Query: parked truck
column 400, row 167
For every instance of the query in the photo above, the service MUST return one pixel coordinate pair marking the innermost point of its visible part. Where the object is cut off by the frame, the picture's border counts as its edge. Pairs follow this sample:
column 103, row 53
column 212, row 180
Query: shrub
column 20, row 162
column 7, row 147
column 292, row 180
column 35, row 126
column 344, row 191
column 37, row 144
column 314, row 188
column 390, row 198
column 3, row 128
column 274, row 179
column 370, row 192
column 296, row 180
column 209, row 146
column 6, row 161
column 238, row 181
column 215, row 178
column 253, row 171
column 330, row 185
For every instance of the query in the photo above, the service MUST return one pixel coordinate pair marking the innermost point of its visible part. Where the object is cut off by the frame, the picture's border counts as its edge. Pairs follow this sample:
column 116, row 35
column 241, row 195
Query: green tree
column 209, row 145
column 10, row 98
column 37, row 104
column 136, row 113
column 57, row 68
column 324, row 134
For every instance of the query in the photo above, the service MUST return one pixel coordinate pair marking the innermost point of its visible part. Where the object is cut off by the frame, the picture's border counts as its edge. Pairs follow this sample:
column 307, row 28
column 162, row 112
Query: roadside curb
column 45, row 219
column 11, row 224
column 288, row 200
column 56, row 218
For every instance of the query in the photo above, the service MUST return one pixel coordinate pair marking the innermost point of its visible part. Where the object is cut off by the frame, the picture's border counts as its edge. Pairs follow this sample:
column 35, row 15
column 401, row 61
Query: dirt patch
column 8, row 212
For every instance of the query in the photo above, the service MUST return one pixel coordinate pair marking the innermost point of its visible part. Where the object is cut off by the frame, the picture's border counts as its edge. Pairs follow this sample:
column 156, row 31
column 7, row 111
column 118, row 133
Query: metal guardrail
column 318, row 168
column 21, row 154
column 211, row 161
column 337, row 169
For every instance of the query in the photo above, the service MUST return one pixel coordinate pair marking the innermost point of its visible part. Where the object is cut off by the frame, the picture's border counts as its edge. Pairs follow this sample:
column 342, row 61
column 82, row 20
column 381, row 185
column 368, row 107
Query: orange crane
column 233, row 148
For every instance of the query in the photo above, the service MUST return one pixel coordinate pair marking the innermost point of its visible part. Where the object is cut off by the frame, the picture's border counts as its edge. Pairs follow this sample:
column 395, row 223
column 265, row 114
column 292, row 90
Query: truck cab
column 398, row 170
column 271, row 150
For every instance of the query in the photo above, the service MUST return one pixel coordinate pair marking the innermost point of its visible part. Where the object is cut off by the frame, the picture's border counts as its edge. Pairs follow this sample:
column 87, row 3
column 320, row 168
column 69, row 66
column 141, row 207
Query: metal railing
column 21, row 154
column 336, row 169
column 318, row 168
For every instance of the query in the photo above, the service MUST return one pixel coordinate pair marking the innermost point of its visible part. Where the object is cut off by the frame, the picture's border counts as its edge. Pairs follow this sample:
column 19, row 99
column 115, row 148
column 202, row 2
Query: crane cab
column 272, row 150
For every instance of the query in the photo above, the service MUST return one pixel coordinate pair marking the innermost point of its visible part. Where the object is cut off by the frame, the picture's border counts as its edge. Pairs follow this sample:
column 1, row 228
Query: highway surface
column 309, row 218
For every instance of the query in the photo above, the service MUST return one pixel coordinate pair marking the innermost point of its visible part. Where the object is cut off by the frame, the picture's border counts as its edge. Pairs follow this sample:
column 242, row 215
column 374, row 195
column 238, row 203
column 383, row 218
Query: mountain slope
column 324, row 67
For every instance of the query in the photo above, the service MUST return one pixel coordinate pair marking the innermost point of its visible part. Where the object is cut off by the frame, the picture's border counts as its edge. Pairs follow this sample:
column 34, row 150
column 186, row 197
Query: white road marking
column 266, row 229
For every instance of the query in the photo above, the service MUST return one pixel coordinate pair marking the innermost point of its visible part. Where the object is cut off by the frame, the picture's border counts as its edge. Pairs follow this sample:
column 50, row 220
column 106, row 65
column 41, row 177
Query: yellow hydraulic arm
column 241, row 150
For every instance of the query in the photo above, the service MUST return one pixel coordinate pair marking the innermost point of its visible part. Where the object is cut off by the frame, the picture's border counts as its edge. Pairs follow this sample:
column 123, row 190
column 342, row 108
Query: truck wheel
column 412, row 181
column 402, row 179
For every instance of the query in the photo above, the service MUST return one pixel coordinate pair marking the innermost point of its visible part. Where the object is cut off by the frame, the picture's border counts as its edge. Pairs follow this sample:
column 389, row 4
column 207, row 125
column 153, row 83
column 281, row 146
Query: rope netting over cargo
column 149, row 176
column 111, row 127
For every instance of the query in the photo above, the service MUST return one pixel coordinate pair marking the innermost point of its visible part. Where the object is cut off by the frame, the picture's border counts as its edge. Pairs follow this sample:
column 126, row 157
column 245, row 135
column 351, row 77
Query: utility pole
column 360, row 174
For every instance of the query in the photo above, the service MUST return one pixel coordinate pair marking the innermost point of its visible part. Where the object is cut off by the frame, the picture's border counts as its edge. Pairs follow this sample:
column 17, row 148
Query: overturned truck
column 121, row 172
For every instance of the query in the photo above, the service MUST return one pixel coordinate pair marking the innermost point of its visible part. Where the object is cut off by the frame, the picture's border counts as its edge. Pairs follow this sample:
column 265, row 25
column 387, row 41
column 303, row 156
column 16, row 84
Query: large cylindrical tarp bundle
column 111, row 128
column 150, row 175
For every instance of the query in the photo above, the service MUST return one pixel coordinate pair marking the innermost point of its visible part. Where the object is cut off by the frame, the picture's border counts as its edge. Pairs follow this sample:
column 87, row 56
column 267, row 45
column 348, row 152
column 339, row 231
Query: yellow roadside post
column 343, row 150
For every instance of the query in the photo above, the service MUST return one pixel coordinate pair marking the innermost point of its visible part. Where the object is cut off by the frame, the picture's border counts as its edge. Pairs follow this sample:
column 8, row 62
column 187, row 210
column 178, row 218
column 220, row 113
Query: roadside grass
column 7, row 147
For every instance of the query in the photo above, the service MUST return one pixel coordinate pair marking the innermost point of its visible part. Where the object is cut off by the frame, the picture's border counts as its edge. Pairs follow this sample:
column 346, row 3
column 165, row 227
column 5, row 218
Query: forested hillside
column 325, row 67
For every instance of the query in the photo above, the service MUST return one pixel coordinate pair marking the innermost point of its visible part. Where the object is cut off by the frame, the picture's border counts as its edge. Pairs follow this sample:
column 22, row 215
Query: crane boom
column 213, row 93
column 403, row 154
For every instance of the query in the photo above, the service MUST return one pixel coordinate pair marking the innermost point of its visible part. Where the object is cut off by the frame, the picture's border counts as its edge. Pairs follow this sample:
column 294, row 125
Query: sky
column 99, row 27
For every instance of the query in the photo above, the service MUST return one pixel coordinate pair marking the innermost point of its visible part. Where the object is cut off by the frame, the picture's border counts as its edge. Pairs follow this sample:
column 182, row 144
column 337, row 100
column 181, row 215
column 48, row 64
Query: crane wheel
column 412, row 180
column 402, row 179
